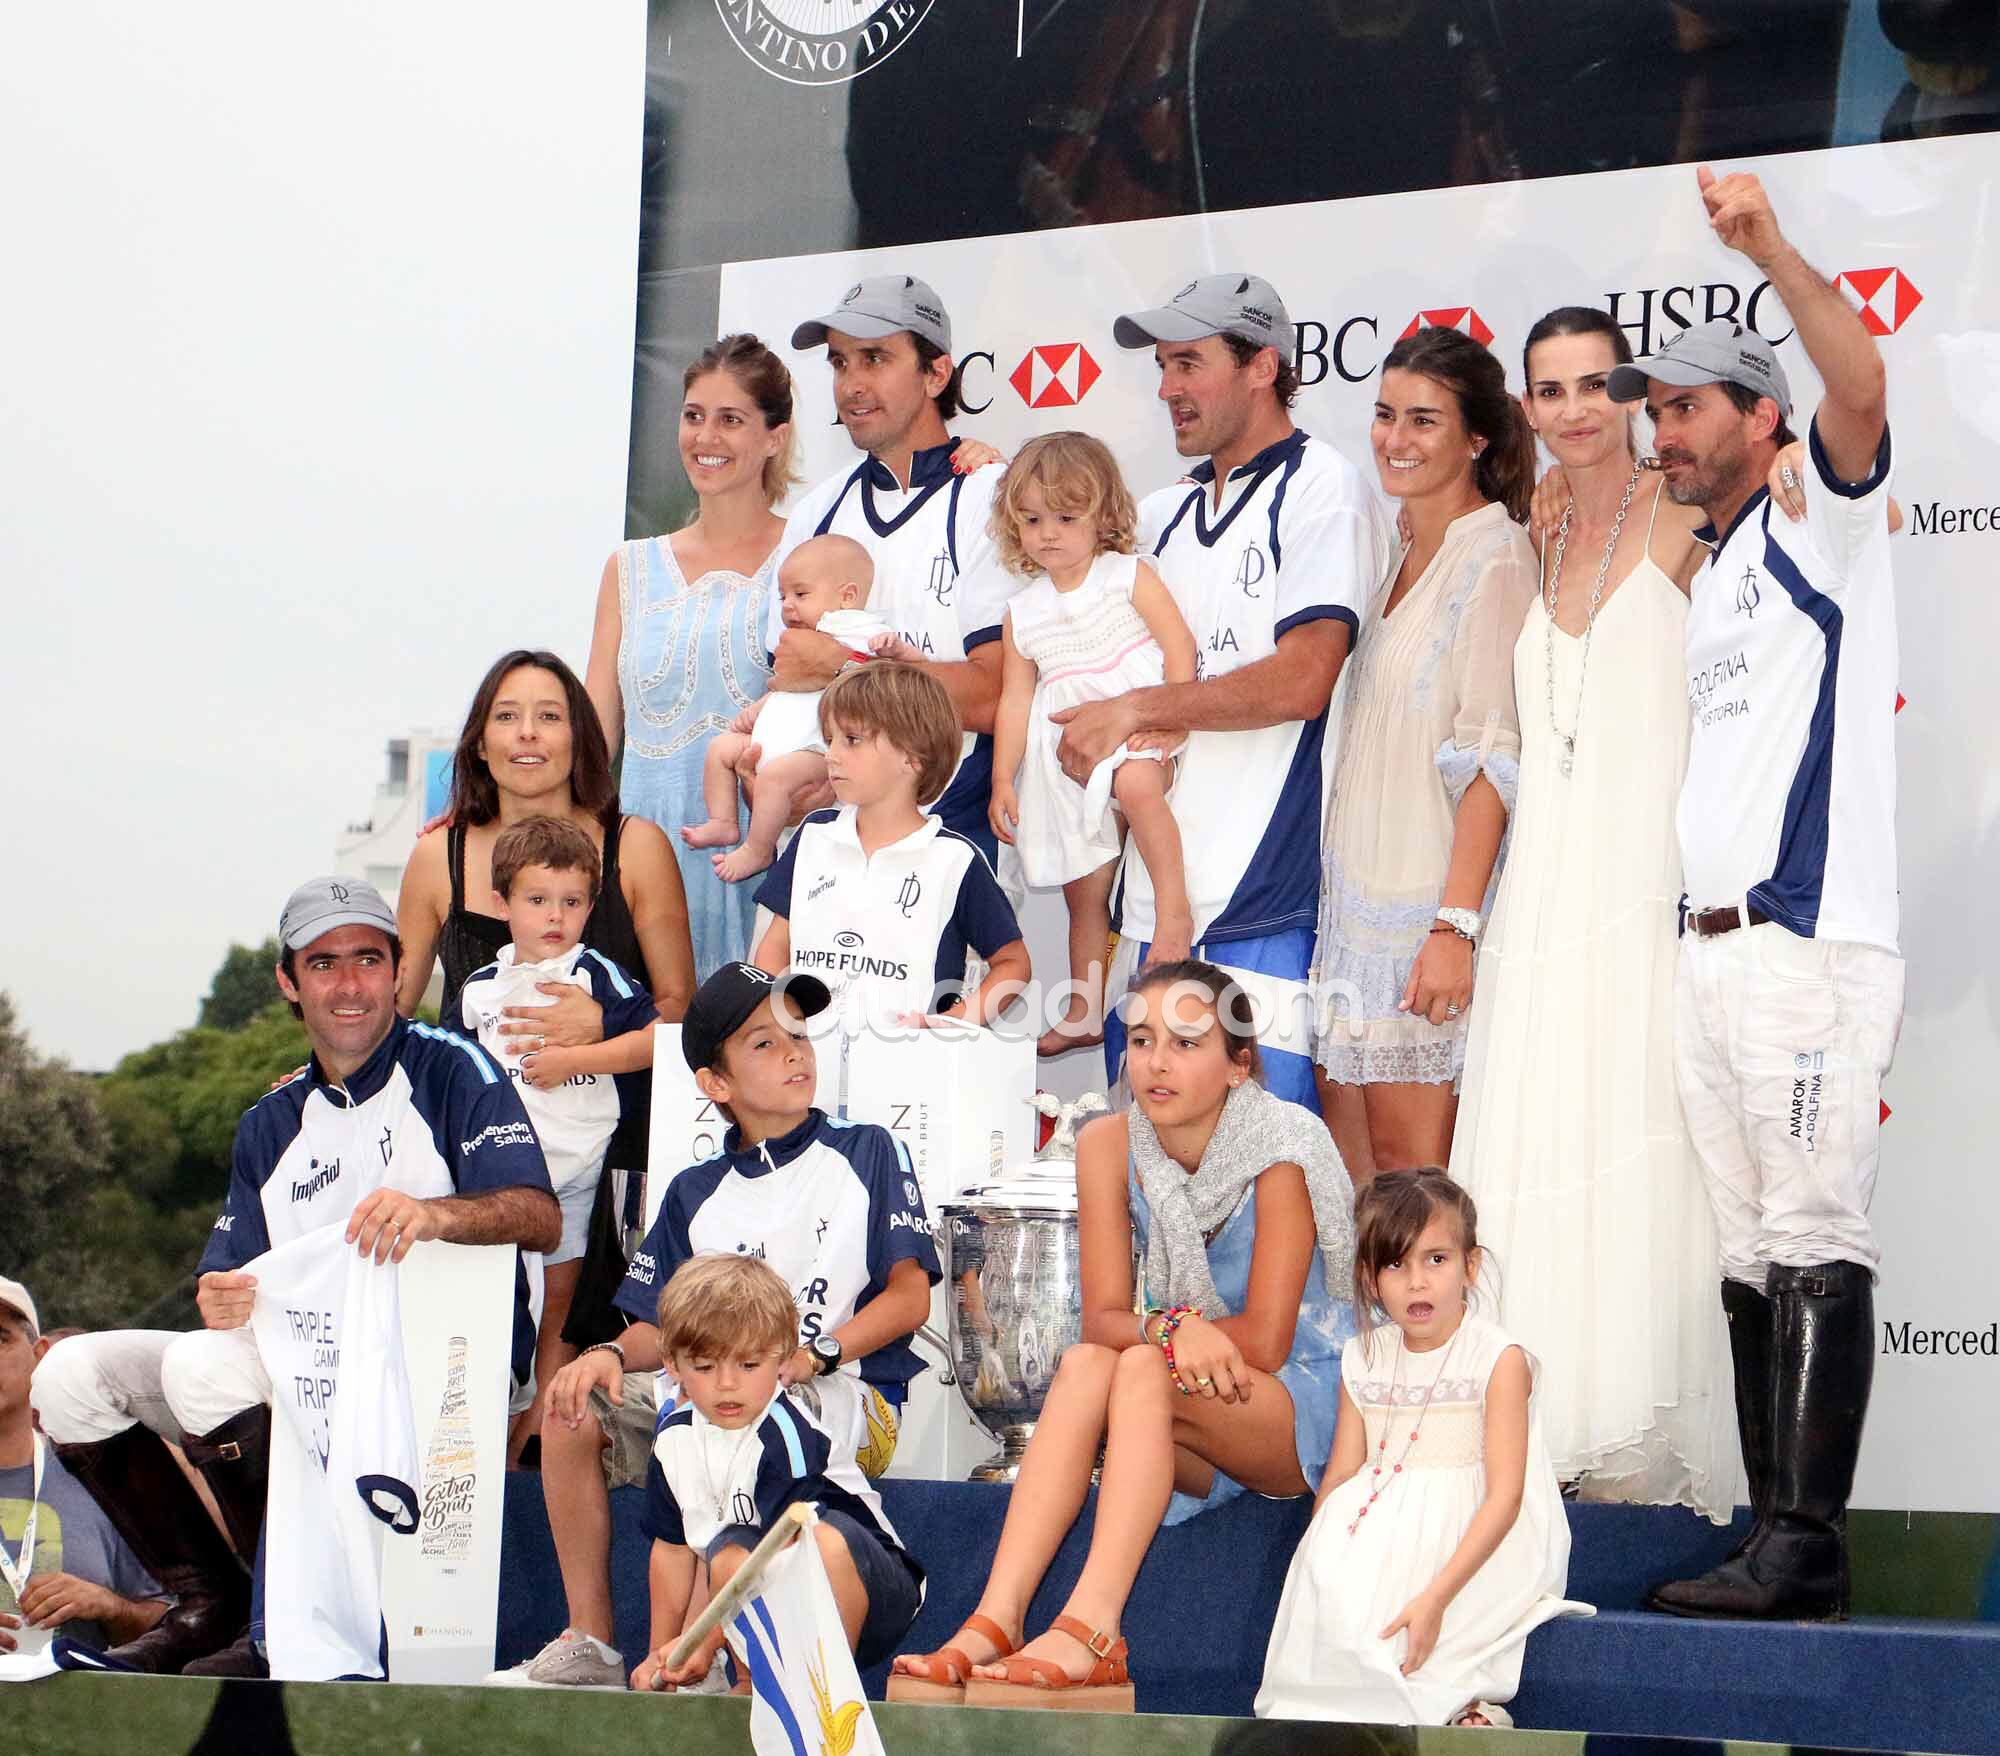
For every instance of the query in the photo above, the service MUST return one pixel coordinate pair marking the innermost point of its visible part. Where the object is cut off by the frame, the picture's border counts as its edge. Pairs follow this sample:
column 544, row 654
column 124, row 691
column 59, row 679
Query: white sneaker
column 577, row 1661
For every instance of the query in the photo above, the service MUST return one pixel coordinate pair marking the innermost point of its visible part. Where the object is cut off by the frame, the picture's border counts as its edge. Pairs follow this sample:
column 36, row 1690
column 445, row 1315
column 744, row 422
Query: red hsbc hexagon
column 1886, row 297
column 1450, row 317
column 1054, row 375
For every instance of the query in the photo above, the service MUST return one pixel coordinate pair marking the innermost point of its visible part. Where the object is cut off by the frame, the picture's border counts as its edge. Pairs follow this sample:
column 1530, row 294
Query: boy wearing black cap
column 832, row 1206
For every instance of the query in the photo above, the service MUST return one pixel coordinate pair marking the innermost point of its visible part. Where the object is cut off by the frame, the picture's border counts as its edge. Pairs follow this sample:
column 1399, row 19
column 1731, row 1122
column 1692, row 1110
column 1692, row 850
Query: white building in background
column 414, row 789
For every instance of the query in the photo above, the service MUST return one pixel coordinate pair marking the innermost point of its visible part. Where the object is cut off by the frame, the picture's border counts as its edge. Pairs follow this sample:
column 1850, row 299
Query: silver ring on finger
column 1452, row 1009
column 1790, row 477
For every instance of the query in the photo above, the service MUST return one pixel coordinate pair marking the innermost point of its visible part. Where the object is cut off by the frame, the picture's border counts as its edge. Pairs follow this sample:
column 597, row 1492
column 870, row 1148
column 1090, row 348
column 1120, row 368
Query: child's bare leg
column 1089, row 901
column 1141, row 790
column 552, row 1353
column 848, row 1591
column 778, row 778
column 718, row 792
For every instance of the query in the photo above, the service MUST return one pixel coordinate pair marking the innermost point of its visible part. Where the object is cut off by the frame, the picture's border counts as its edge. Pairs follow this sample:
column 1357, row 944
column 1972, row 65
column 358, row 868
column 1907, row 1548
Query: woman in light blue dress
column 678, row 648
column 1221, row 1376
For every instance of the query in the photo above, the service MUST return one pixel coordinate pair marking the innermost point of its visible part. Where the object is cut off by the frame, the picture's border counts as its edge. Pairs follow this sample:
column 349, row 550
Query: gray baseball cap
column 14, row 1296
column 1216, row 304
column 1716, row 352
column 879, row 306
column 321, row 904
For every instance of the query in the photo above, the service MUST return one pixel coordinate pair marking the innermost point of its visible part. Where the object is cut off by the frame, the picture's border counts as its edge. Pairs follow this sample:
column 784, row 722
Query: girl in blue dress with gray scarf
column 1218, row 1374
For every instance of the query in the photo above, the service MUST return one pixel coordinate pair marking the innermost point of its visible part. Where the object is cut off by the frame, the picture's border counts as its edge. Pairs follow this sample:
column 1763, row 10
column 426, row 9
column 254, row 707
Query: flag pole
column 742, row 1586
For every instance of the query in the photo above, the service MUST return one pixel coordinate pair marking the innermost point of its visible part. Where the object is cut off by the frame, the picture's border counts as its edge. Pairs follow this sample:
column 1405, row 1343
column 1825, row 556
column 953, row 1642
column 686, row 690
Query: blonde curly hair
column 1077, row 475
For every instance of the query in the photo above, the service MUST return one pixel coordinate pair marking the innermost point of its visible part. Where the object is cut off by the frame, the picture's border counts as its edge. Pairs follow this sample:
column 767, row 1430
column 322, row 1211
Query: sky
column 319, row 332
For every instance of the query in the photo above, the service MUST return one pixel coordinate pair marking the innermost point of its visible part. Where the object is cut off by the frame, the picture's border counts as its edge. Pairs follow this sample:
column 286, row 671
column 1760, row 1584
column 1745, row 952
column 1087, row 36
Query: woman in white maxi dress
column 1598, row 1233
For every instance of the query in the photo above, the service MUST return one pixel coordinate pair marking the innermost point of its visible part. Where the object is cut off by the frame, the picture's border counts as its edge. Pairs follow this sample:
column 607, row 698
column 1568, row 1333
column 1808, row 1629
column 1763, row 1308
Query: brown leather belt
column 1708, row 922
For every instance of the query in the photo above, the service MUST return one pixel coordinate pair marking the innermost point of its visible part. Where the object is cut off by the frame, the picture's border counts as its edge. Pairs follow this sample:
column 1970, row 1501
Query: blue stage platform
column 1870, row 1684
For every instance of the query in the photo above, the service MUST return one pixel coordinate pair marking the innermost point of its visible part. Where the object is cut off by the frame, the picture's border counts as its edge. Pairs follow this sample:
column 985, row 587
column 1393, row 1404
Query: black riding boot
column 153, row 1506
column 1823, row 1365
column 235, row 1461
column 1752, row 1336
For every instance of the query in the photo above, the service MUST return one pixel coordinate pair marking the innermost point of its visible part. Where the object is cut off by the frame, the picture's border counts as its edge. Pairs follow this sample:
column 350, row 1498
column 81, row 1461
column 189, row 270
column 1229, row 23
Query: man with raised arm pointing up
column 1790, row 990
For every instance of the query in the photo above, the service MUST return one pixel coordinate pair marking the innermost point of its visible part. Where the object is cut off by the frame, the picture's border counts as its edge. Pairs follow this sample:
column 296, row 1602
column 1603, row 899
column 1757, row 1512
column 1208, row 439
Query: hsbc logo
column 1460, row 317
column 1885, row 297
column 1055, row 375
column 1653, row 315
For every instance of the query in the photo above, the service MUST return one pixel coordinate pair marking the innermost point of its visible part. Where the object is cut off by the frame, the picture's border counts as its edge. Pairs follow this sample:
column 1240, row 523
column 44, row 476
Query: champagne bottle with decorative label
column 450, row 1478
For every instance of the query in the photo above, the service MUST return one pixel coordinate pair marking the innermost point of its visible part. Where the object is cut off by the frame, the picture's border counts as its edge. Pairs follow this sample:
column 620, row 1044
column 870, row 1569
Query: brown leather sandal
column 930, row 1692
column 1040, row 1682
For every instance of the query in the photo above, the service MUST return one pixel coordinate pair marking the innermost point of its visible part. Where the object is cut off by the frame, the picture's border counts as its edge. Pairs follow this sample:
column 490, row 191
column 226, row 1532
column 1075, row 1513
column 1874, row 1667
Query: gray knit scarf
column 1255, row 1131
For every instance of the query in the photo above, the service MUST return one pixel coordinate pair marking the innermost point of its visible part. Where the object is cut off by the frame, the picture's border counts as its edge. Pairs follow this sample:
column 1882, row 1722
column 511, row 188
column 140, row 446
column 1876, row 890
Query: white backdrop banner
column 1902, row 227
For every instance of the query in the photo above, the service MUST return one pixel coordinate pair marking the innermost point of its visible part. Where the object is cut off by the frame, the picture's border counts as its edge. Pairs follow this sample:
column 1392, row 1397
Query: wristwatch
column 825, row 1350
column 1465, row 922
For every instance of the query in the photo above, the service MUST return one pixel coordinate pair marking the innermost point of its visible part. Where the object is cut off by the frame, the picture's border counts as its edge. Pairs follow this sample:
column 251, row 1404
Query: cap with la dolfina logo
column 1717, row 352
column 727, row 998
column 881, row 306
column 1245, row 305
column 321, row 904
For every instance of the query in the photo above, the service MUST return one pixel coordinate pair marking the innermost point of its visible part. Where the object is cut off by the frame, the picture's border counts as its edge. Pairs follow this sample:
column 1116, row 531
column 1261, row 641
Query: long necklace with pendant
column 1567, row 760
column 1378, row 1482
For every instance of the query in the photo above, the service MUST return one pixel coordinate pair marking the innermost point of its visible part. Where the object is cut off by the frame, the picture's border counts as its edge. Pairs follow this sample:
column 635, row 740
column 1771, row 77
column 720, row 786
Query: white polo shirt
column 886, row 928
column 1790, row 796
column 938, row 579
column 1300, row 537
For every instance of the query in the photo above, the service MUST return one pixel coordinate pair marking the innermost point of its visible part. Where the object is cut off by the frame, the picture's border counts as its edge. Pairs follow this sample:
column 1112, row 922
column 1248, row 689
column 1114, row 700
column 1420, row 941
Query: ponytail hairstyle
column 1234, row 1015
column 1505, row 469
column 762, row 377
column 1390, row 1214
column 1582, row 320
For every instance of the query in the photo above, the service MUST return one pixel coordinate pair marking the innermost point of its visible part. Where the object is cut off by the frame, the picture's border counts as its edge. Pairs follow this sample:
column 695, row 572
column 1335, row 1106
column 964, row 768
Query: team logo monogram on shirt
column 942, row 578
column 1747, row 594
column 906, row 898
column 388, row 1144
column 1250, row 570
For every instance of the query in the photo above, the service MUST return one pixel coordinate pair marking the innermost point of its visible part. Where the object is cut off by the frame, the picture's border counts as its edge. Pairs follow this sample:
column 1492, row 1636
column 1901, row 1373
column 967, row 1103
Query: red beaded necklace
column 1381, row 1482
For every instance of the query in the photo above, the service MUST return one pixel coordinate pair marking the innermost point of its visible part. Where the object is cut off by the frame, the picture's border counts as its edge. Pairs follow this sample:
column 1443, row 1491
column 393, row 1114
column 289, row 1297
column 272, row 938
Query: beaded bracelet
column 1171, row 1320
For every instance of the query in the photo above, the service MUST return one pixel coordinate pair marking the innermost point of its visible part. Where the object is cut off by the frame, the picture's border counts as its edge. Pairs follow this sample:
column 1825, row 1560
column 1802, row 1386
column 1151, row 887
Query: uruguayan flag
column 806, row 1693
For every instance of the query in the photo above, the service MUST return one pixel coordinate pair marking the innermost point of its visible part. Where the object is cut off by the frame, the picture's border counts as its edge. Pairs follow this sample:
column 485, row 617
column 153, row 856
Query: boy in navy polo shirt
column 738, row 1450
column 833, row 1207
column 876, row 899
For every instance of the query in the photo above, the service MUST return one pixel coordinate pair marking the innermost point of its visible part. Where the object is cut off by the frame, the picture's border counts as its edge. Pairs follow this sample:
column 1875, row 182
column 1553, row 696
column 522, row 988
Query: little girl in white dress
column 1095, row 623
column 1438, row 1543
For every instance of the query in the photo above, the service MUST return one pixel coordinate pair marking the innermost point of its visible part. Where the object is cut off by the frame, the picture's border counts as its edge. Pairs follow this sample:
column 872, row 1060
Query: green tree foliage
column 243, row 986
column 54, row 1147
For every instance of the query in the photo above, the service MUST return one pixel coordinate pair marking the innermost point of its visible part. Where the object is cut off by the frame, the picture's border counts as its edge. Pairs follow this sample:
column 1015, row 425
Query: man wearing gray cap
column 938, row 582
column 395, row 1130
column 1271, row 546
column 1789, row 994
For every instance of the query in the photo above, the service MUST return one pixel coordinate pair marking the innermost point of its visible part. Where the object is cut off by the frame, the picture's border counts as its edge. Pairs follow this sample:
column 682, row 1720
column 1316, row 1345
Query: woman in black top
column 533, row 745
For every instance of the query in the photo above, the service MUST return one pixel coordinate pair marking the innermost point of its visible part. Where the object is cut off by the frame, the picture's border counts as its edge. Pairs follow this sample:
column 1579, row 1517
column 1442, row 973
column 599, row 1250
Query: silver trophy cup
column 1017, row 1298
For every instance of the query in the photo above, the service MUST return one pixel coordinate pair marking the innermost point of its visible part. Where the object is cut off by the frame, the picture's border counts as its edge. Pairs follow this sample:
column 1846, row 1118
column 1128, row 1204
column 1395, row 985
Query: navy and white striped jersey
column 938, row 580
column 1790, row 796
column 832, row 1207
column 1300, row 537
column 704, row 1478
column 888, row 928
column 428, row 1114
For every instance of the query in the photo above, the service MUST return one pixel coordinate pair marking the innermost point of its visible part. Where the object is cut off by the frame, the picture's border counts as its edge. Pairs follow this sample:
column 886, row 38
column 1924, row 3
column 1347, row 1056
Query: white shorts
column 91, row 1387
column 1780, row 1048
column 576, row 1203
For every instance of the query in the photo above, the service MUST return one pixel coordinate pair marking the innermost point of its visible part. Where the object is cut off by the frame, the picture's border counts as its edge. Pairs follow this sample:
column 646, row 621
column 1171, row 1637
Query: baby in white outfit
column 775, row 748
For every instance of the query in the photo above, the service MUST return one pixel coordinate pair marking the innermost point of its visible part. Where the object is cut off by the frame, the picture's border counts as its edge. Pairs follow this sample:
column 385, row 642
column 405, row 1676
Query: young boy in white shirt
column 832, row 1207
column 875, row 898
column 740, row 1448
column 823, row 585
column 546, row 874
